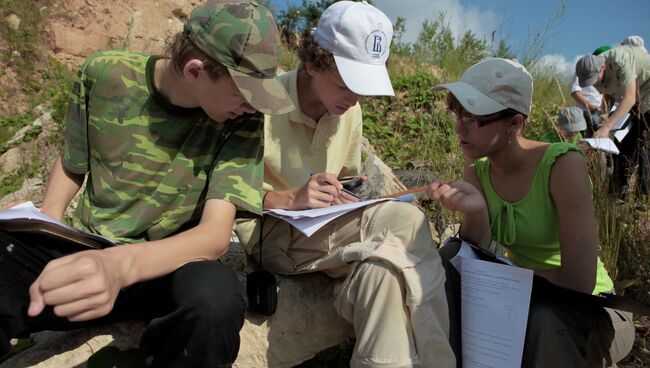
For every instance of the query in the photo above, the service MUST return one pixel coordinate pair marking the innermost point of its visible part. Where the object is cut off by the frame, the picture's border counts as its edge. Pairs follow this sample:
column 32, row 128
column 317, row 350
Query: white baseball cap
column 493, row 85
column 358, row 35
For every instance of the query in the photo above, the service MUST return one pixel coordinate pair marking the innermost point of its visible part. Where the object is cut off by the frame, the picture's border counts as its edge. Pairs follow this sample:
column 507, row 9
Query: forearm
column 569, row 279
column 476, row 228
column 61, row 188
column 623, row 108
column 284, row 199
column 581, row 100
column 149, row 260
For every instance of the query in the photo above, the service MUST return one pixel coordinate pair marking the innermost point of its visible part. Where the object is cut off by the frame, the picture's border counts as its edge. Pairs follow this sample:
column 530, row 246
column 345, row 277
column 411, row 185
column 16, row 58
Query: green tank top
column 529, row 228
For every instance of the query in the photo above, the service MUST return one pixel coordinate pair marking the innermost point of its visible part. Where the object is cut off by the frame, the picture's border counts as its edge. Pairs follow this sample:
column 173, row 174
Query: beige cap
column 493, row 85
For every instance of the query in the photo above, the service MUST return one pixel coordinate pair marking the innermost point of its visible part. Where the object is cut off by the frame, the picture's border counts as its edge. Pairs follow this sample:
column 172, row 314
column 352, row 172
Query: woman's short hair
column 310, row 52
column 180, row 50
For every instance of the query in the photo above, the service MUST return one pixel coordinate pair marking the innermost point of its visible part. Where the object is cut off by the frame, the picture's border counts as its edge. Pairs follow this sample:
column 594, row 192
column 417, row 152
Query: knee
column 401, row 212
column 212, row 291
column 406, row 222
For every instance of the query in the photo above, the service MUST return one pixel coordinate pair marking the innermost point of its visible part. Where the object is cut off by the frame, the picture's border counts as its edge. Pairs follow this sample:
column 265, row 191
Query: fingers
column 91, row 307
column 322, row 189
column 432, row 190
column 15, row 202
column 69, row 284
column 448, row 194
column 348, row 198
column 37, row 303
column 327, row 179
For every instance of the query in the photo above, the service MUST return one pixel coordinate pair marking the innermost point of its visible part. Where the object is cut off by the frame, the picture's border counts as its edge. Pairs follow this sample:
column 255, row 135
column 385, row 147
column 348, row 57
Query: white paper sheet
column 494, row 302
column 621, row 133
column 603, row 144
column 309, row 221
column 28, row 210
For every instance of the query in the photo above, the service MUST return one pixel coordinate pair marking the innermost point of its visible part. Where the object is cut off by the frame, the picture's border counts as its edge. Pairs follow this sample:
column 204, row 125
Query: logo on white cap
column 358, row 35
column 376, row 44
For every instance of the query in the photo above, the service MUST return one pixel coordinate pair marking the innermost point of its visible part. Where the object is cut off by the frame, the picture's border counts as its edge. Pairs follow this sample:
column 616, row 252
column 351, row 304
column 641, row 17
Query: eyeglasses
column 472, row 121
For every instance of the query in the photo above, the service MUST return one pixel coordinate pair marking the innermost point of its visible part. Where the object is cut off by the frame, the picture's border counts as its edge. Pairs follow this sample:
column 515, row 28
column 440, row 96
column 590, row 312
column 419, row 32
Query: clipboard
column 544, row 289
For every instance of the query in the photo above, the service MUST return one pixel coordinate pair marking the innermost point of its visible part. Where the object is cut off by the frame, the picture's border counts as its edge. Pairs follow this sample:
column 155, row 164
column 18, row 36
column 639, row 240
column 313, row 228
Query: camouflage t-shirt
column 151, row 165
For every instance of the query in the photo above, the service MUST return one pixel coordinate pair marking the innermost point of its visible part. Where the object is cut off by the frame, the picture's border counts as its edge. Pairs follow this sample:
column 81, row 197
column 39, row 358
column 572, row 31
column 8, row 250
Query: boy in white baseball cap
column 396, row 303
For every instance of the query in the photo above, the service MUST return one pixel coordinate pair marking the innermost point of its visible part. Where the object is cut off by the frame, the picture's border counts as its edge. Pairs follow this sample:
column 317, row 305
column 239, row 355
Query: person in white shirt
column 589, row 99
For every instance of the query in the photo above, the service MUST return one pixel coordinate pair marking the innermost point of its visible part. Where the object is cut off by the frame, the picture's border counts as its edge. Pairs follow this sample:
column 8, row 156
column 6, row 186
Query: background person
column 589, row 99
column 623, row 73
column 568, row 127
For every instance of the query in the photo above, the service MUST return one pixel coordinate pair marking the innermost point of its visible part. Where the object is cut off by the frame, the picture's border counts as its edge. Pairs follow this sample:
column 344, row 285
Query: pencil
column 414, row 190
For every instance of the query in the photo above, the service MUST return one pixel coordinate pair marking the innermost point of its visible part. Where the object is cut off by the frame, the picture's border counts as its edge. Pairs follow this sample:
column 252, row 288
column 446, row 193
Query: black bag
column 261, row 287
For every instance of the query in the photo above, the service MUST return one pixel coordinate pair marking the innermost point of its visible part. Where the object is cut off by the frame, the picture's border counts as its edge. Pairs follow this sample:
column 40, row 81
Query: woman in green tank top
column 534, row 199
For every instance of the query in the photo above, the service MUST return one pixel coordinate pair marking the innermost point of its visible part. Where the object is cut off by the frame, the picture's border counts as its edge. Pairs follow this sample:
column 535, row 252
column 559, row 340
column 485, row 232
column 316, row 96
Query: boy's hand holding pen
column 325, row 189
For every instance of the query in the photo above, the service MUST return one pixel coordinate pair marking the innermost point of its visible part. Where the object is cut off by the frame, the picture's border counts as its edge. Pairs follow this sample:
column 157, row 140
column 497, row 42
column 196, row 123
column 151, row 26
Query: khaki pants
column 393, row 291
column 558, row 334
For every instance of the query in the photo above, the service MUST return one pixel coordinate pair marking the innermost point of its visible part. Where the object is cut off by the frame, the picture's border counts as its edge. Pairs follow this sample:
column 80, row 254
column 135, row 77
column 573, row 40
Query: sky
column 584, row 26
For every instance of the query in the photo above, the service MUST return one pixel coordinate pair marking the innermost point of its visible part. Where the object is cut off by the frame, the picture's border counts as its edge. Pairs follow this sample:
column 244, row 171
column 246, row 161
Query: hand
column 10, row 204
column 602, row 132
column 457, row 196
column 80, row 286
column 321, row 190
column 345, row 197
column 592, row 107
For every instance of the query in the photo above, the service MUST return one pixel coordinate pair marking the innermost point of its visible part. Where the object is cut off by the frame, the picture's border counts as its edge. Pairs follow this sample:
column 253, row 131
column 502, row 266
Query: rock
column 11, row 160
column 32, row 190
column 381, row 180
column 13, row 21
column 77, row 42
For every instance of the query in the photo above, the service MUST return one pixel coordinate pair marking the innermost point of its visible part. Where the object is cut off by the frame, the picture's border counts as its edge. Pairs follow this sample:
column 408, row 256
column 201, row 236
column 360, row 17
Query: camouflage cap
column 242, row 36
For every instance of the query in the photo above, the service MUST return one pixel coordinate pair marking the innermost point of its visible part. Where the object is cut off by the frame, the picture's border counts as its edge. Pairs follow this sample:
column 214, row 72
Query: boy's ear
column 192, row 69
column 311, row 69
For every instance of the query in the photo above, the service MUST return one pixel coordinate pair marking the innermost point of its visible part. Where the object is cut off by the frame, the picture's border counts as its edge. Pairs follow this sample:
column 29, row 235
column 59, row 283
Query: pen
column 342, row 189
column 350, row 193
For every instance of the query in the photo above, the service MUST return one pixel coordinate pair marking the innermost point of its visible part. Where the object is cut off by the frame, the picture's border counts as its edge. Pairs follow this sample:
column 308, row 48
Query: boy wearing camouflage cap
column 171, row 150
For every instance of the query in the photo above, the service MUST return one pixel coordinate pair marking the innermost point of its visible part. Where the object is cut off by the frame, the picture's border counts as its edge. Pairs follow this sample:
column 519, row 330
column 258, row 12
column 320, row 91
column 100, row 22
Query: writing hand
column 321, row 190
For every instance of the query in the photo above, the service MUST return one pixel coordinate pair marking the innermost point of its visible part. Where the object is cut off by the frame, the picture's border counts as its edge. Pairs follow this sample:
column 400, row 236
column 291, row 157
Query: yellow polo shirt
column 295, row 145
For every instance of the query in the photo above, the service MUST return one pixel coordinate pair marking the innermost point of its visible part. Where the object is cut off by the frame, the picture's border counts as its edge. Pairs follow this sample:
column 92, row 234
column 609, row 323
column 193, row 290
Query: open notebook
column 27, row 218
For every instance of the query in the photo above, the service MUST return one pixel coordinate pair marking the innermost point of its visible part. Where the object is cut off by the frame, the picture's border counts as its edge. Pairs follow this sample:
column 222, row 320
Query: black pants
column 557, row 335
column 194, row 313
column 634, row 151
